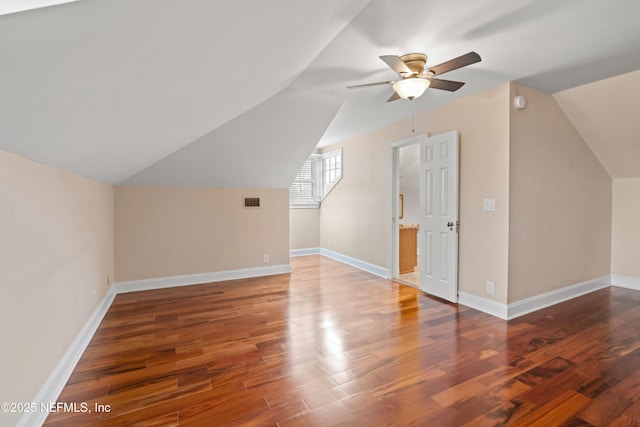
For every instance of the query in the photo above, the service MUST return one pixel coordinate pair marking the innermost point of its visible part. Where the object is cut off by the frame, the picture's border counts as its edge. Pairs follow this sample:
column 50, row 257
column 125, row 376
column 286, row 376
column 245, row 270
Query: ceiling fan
column 415, row 78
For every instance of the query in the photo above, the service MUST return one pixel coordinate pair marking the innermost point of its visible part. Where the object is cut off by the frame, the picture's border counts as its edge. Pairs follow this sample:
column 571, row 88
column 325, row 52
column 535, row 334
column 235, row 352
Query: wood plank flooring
column 331, row 345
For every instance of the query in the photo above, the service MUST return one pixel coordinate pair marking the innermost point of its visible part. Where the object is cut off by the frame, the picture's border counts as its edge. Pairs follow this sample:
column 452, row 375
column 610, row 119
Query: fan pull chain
column 413, row 116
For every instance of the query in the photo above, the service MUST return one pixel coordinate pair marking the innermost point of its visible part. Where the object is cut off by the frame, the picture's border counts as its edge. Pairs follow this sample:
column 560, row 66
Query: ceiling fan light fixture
column 411, row 88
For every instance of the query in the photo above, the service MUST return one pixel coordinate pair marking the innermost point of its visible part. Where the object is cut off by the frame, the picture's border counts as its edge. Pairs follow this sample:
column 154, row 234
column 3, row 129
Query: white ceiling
column 238, row 93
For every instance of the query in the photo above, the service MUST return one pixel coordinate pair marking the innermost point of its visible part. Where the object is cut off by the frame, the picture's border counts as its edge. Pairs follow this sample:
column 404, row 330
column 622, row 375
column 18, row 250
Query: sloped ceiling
column 238, row 155
column 13, row 6
column 238, row 93
column 606, row 115
column 106, row 88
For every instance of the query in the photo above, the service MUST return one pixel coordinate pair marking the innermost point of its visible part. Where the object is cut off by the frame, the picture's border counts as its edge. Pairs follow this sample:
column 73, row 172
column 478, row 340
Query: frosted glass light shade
column 411, row 88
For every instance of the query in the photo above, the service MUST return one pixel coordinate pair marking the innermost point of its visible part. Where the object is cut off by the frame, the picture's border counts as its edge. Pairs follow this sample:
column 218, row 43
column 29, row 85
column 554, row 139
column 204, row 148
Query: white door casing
column 438, row 238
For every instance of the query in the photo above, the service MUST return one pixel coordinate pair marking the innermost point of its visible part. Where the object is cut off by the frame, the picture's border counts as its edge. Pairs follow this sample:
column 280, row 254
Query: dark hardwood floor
column 332, row 345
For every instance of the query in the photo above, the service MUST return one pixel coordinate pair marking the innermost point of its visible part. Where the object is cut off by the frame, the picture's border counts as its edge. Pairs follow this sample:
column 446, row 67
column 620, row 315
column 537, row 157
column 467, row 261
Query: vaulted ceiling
column 238, row 93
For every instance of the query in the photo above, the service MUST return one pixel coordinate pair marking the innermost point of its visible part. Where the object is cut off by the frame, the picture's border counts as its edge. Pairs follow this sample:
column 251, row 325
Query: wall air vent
column 251, row 202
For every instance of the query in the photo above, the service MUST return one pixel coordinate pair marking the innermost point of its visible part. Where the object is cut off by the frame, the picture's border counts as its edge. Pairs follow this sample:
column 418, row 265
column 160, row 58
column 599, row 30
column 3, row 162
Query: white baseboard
column 538, row 302
column 529, row 305
column 53, row 386
column 628, row 282
column 354, row 262
column 195, row 279
column 488, row 306
column 304, row 252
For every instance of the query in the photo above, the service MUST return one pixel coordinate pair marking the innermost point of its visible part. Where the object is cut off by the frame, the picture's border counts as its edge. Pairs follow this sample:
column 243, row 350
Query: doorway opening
column 408, row 216
column 405, row 183
column 424, row 226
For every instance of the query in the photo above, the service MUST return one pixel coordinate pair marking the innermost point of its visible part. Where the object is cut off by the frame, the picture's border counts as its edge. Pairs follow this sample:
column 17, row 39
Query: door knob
column 450, row 225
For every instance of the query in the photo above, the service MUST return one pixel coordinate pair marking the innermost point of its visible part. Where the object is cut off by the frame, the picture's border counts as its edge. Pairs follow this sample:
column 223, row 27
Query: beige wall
column 174, row 231
column 560, row 202
column 56, row 260
column 354, row 220
column 625, row 239
column 304, row 228
column 354, row 217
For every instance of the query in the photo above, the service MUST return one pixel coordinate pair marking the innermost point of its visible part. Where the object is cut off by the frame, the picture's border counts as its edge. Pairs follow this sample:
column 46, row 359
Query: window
column 304, row 192
column 319, row 174
column 331, row 170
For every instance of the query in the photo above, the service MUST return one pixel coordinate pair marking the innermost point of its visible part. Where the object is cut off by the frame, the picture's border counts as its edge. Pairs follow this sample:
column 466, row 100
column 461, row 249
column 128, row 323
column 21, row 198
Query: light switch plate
column 489, row 205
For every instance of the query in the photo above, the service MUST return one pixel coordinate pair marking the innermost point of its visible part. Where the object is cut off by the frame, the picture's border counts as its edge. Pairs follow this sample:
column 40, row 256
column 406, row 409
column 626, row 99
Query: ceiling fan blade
column 370, row 84
column 397, row 64
column 394, row 97
column 449, row 85
column 454, row 64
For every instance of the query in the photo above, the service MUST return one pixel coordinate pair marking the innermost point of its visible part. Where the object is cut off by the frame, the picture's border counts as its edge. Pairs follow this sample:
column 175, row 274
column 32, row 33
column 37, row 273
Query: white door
column 439, row 216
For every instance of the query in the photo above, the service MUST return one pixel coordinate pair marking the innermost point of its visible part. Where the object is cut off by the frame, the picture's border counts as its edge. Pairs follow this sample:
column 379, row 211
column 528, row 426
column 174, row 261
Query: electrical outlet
column 490, row 287
column 266, row 258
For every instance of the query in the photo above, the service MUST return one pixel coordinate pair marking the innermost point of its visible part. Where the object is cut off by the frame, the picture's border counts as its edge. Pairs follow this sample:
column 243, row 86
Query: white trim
column 627, row 282
column 196, row 279
column 354, row 262
column 547, row 299
column 538, row 302
column 56, row 381
column 488, row 306
column 307, row 206
column 304, row 252
column 394, row 191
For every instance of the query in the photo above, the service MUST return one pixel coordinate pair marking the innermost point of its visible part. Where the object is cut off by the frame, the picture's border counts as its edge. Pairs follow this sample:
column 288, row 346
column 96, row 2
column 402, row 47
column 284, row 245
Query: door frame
column 394, row 194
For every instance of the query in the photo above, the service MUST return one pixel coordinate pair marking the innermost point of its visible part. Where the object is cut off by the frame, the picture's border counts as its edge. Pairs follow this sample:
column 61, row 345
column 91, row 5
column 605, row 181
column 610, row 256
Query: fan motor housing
column 415, row 61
